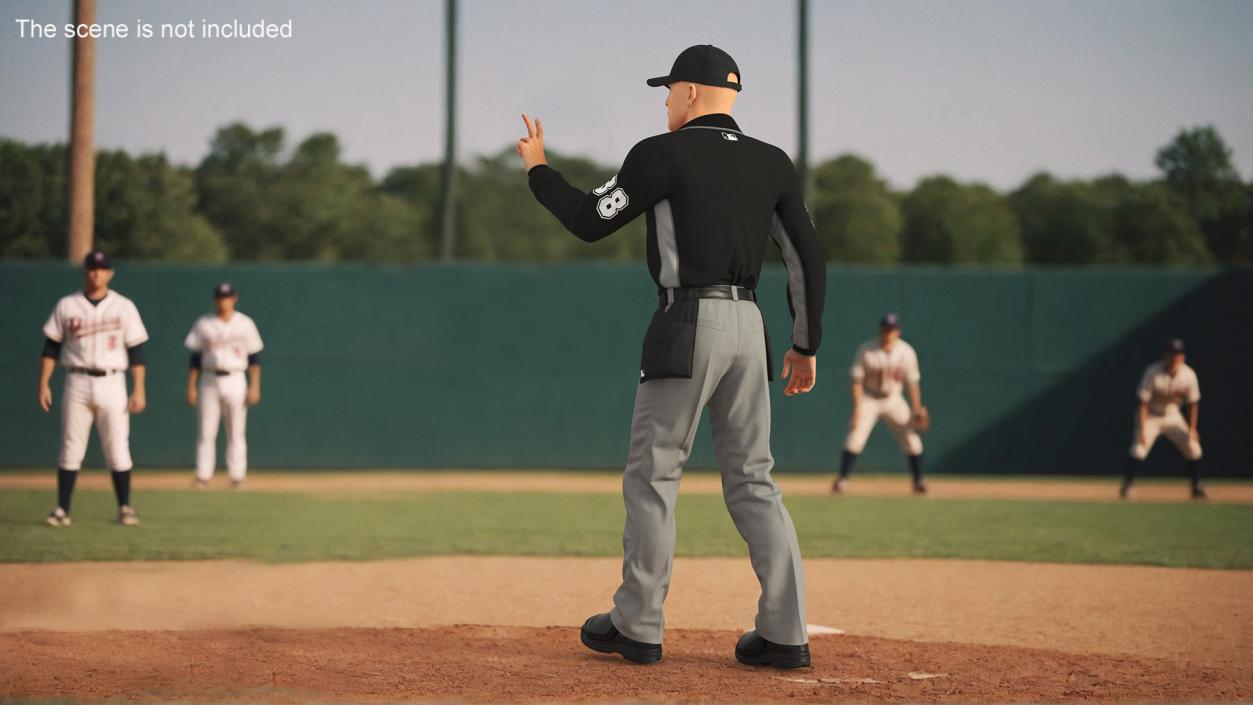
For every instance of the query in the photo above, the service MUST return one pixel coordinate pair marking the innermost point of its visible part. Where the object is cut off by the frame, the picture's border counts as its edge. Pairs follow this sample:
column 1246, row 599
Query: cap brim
column 659, row 81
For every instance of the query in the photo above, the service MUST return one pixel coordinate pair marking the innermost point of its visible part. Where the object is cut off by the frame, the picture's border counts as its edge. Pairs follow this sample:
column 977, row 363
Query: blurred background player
column 1165, row 387
column 97, row 335
column 223, row 344
column 880, row 369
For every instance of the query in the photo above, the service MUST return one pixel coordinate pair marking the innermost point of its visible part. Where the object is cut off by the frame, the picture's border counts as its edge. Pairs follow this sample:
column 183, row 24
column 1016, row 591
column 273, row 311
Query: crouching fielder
column 880, row 369
column 1166, row 386
column 223, row 344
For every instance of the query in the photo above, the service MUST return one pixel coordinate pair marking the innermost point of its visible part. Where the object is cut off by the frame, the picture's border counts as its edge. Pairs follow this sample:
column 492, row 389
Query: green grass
column 282, row 527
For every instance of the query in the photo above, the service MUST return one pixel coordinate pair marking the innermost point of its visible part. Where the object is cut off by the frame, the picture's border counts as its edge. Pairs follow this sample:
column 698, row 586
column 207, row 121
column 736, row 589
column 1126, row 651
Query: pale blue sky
column 981, row 89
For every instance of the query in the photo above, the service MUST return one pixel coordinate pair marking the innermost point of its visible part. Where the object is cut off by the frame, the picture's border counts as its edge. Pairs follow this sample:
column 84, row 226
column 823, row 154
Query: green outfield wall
column 502, row 366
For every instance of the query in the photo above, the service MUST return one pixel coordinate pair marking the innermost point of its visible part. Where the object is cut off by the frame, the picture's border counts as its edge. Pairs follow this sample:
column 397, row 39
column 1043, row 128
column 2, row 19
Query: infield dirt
column 396, row 631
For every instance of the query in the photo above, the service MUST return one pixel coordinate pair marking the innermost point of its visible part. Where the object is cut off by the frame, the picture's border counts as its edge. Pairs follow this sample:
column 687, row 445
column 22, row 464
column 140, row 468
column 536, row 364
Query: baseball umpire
column 97, row 335
column 710, row 194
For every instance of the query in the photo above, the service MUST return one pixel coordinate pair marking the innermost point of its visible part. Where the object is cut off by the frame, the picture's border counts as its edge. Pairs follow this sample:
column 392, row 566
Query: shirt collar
column 715, row 120
column 97, row 302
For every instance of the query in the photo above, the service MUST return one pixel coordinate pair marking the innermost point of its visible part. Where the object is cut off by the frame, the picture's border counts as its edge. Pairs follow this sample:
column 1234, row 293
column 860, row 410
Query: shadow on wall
column 1080, row 418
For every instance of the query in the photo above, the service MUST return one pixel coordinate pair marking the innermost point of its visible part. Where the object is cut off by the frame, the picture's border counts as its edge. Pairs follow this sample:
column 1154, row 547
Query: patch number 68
column 611, row 205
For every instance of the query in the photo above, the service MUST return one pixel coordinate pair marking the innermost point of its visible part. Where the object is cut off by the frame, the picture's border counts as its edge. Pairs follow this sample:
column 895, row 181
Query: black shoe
column 1198, row 492
column 753, row 650
column 1127, row 491
column 599, row 634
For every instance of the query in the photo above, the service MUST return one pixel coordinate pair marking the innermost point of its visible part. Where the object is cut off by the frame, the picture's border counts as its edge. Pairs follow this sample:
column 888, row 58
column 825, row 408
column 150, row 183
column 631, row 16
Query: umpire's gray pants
column 728, row 375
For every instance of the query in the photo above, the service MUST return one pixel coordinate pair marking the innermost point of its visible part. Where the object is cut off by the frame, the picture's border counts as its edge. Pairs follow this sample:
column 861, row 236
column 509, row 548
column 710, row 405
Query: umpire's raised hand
column 531, row 147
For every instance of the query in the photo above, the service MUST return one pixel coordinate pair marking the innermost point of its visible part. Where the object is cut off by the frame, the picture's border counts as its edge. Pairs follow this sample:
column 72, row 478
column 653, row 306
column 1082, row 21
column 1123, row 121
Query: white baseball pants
column 1174, row 427
column 221, row 398
column 84, row 400
column 895, row 412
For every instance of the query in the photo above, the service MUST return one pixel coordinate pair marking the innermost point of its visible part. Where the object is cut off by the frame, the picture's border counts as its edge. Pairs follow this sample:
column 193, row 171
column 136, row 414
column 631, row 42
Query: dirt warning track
column 694, row 482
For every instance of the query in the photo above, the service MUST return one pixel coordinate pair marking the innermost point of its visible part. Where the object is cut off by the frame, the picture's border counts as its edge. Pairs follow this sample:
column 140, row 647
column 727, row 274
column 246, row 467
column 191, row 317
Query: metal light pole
column 447, row 210
column 802, row 94
column 82, row 197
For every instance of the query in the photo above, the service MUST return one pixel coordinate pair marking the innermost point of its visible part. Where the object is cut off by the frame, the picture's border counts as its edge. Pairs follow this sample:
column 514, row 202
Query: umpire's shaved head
column 687, row 100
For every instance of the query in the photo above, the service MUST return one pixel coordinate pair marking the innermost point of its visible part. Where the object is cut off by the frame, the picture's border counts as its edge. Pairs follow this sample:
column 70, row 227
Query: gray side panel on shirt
column 667, row 246
column 795, row 282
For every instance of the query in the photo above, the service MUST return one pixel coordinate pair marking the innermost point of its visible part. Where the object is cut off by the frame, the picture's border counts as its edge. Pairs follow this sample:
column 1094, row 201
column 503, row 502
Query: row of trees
column 252, row 198
column 1198, row 212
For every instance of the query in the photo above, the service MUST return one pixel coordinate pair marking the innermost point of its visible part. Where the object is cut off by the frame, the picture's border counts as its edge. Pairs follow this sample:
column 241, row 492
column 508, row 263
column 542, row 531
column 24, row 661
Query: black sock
column 1194, row 469
column 915, row 467
column 846, row 463
column 65, row 488
column 1130, row 476
column 122, row 487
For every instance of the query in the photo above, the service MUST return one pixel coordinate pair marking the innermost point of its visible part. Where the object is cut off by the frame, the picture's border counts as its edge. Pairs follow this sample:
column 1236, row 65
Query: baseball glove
column 921, row 421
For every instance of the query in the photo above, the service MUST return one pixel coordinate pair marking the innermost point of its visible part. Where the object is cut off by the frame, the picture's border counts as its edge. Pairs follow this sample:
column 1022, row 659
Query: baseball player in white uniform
column 97, row 335
column 224, row 346
column 1166, row 386
column 881, row 369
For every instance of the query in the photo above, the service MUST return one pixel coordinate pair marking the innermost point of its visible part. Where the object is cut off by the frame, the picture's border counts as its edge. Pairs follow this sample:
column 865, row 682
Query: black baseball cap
column 96, row 259
column 1175, row 346
column 890, row 320
column 223, row 291
column 705, row 64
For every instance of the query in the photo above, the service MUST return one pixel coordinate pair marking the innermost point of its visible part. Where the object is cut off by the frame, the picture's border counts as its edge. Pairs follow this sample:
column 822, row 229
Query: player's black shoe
column 599, row 634
column 1127, row 491
column 754, row 650
column 920, row 487
column 1198, row 492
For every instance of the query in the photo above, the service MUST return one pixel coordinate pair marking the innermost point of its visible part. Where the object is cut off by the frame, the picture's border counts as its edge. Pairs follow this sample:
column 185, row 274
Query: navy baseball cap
column 223, row 291
column 890, row 320
column 705, row 64
column 1175, row 347
column 96, row 259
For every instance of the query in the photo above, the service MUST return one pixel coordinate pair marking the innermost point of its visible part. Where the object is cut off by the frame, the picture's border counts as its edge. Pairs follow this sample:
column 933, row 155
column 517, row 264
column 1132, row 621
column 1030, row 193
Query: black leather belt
column 90, row 373
column 223, row 373
column 718, row 291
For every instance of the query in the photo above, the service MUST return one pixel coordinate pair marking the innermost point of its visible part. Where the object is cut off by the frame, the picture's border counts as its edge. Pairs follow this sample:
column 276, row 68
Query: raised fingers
column 539, row 130
column 530, row 129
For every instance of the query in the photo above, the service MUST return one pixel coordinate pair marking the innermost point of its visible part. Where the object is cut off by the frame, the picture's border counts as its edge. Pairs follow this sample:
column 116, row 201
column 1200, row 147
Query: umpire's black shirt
column 711, row 193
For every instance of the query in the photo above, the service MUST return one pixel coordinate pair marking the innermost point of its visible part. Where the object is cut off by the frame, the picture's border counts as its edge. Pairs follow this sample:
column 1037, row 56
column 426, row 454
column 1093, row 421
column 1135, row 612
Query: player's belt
column 223, row 373
column 719, row 291
column 90, row 372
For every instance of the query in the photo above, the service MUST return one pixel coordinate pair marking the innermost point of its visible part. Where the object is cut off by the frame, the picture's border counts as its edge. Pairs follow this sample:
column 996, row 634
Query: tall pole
column 447, row 210
column 802, row 94
column 82, row 200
